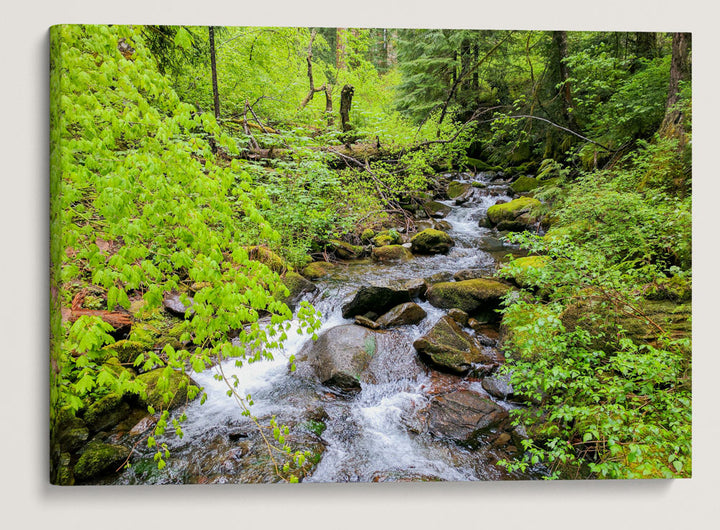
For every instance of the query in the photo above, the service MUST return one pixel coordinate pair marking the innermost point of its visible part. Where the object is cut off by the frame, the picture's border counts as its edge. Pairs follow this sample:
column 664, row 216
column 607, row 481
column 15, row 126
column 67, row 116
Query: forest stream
column 377, row 434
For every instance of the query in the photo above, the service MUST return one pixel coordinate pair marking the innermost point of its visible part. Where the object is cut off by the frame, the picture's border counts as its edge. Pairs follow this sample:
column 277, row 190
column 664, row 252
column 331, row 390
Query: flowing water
column 376, row 434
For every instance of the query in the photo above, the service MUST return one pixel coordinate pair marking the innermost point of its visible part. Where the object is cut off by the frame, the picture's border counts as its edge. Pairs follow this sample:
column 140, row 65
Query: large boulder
column 448, row 348
column 340, row 356
column 176, row 391
column 463, row 416
column 345, row 250
column 405, row 314
column 517, row 215
column 436, row 209
column 431, row 241
column 391, row 253
column 100, row 458
column 469, row 295
column 374, row 299
column 455, row 189
column 317, row 269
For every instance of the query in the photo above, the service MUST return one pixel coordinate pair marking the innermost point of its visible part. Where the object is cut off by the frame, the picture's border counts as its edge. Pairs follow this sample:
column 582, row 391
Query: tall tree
column 672, row 124
column 213, row 68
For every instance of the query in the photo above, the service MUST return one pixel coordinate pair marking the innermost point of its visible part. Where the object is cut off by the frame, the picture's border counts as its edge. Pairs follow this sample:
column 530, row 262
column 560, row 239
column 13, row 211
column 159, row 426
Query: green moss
column 431, row 241
column 391, row 253
column 510, row 210
column 477, row 184
column 467, row 295
column 524, row 184
column 317, row 269
column 126, row 351
column 267, row 257
column 100, row 458
column 455, row 189
column 346, row 250
column 367, row 235
column 523, row 270
column 161, row 397
column 387, row 237
column 100, row 409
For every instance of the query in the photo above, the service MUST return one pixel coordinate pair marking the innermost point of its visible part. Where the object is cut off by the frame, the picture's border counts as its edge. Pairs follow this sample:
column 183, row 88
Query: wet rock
column 448, row 348
column 366, row 322
column 431, row 241
column 99, row 458
column 459, row 316
column 468, row 295
column 340, row 356
column 144, row 425
column 171, row 302
column 417, row 287
column 106, row 412
column 436, row 209
column 498, row 386
column 376, row 299
column 298, row 287
column 468, row 274
column 345, row 250
column 441, row 225
column 73, row 435
column 456, row 189
column 177, row 389
column 406, row 314
column 439, row 277
column 391, row 253
column 517, row 215
column 318, row 269
column 463, row 416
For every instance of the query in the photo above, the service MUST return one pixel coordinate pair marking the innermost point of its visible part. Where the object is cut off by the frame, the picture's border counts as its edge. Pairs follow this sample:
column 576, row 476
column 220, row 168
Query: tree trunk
column 560, row 41
column 345, row 102
column 329, row 105
column 672, row 125
column 340, row 48
column 213, row 68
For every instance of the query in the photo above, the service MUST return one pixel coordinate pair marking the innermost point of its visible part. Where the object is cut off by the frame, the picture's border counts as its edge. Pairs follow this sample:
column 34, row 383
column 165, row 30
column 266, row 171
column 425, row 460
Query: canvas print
column 298, row 254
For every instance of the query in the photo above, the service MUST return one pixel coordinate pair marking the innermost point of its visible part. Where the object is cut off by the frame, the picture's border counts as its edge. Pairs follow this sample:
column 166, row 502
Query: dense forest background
column 200, row 156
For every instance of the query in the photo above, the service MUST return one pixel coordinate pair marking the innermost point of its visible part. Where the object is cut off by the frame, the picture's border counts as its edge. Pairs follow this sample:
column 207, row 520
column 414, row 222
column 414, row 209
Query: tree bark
column 345, row 102
column 340, row 48
column 311, row 79
column 213, row 68
column 560, row 41
column 679, row 71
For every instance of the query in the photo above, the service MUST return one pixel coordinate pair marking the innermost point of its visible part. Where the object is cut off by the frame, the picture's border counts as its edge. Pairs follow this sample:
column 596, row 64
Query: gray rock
column 171, row 301
column 376, row 299
column 463, row 416
column 340, row 356
column 448, row 348
column 405, row 314
column 498, row 386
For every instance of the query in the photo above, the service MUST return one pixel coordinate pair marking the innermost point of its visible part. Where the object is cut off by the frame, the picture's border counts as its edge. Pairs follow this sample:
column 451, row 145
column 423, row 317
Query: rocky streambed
column 402, row 382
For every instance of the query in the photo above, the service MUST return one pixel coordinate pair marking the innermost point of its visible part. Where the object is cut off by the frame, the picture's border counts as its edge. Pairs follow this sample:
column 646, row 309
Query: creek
column 376, row 434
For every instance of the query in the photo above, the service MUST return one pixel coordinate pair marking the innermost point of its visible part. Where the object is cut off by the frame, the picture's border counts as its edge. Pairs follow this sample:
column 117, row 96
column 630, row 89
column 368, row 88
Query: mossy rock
column 448, row 348
column 436, row 209
column 317, row 269
column 675, row 288
column 525, row 270
column 524, row 184
column 479, row 165
column 387, row 237
column 391, row 253
column 470, row 296
column 298, row 286
column 176, row 390
column 106, row 412
column 345, row 250
column 267, row 257
column 516, row 215
column 406, row 314
column 126, row 351
column 478, row 184
column 99, row 458
column 455, row 189
column 431, row 241
column 367, row 235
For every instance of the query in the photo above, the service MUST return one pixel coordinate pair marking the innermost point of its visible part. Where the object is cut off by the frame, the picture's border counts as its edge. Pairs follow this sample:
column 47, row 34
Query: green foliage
column 132, row 166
